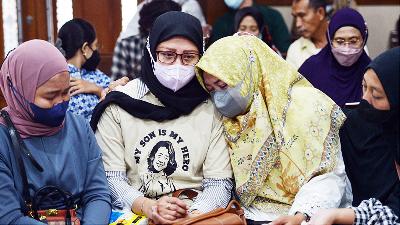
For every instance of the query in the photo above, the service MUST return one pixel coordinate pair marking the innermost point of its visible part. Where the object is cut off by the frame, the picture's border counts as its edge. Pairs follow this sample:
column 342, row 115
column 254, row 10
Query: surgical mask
column 233, row 4
column 373, row 115
column 346, row 56
column 173, row 76
column 92, row 62
column 230, row 102
column 52, row 117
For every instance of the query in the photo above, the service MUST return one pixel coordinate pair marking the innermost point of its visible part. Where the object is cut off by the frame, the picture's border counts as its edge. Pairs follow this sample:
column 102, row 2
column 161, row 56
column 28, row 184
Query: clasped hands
column 165, row 210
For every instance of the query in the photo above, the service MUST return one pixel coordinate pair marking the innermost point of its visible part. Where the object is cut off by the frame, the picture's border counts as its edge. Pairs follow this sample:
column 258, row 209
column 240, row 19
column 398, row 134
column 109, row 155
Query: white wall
column 380, row 20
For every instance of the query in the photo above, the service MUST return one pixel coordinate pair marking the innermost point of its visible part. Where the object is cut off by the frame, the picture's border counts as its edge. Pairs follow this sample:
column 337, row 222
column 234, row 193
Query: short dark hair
column 150, row 11
column 74, row 34
column 315, row 4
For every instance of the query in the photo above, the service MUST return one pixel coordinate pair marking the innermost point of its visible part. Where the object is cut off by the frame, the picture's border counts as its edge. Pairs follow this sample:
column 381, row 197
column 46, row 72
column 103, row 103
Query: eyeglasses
column 169, row 57
column 352, row 42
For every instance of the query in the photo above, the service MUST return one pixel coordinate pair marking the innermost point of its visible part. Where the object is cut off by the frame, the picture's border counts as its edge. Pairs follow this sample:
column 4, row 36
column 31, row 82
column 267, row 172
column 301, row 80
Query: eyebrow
column 174, row 50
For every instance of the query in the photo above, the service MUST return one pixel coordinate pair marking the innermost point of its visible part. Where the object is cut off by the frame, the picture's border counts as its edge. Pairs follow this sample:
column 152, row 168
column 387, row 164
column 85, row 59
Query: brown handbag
column 57, row 217
column 233, row 214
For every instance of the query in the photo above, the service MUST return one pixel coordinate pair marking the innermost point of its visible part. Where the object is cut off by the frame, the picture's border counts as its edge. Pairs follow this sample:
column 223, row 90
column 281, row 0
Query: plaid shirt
column 127, row 57
column 373, row 212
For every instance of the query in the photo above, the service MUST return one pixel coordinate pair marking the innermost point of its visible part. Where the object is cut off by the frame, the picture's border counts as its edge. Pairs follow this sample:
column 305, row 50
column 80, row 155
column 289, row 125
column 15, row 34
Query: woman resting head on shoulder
column 159, row 134
column 62, row 149
column 283, row 133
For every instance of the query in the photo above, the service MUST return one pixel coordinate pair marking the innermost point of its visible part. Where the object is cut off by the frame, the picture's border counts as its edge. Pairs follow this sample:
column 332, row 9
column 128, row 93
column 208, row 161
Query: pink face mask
column 173, row 76
column 347, row 56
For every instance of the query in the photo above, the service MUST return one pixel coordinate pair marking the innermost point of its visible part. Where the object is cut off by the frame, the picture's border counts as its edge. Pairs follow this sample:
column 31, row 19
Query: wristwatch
column 306, row 216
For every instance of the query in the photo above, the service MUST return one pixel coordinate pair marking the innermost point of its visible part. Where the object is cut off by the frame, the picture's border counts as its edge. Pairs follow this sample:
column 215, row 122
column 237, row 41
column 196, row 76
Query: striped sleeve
column 373, row 212
column 122, row 194
column 216, row 193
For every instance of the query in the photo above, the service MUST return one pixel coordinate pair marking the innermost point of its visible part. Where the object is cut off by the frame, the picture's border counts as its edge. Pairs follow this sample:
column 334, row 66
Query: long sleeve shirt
column 372, row 211
column 152, row 159
column 71, row 160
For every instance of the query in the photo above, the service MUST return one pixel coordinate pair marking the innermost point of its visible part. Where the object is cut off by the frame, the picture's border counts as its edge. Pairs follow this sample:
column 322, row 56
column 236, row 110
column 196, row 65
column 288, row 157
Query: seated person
column 78, row 43
column 159, row 134
column 250, row 20
column 370, row 141
column 224, row 25
column 311, row 21
column 337, row 70
column 283, row 133
column 60, row 148
column 128, row 51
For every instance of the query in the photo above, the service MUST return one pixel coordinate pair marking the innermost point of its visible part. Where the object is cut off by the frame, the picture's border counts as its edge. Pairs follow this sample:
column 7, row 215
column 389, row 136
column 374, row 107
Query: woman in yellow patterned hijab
column 283, row 133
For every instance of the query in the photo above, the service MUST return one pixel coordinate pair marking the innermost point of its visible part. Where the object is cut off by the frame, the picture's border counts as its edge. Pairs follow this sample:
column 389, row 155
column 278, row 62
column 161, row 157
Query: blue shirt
column 71, row 160
column 83, row 104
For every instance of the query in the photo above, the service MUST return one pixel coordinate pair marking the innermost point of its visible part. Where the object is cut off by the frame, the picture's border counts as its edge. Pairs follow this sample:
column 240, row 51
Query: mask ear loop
column 148, row 50
column 204, row 44
column 19, row 96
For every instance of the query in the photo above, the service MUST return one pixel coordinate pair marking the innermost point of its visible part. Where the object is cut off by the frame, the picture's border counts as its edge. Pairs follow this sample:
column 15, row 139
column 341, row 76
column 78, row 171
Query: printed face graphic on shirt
column 162, row 158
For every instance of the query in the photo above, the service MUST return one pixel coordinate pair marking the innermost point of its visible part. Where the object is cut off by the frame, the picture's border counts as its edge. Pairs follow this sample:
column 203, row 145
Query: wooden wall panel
column 34, row 23
column 105, row 16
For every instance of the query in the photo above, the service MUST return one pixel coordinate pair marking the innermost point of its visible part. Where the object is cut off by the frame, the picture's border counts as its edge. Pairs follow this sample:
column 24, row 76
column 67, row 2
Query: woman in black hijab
column 369, row 137
column 165, row 105
column 250, row 20
column 370, row 142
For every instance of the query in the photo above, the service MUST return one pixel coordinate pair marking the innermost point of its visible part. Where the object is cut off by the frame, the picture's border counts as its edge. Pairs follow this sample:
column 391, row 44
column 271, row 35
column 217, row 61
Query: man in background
column 311, row 23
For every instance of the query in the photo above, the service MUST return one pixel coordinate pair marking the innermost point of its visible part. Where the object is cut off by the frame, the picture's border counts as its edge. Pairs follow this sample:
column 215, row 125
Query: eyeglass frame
column 363, row 38
column 348, row 42
column 180, row 56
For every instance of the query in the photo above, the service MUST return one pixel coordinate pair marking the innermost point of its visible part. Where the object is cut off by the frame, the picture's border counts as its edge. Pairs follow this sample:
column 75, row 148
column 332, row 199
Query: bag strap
column 233, row 207
column 17, row 152
column 188, row 192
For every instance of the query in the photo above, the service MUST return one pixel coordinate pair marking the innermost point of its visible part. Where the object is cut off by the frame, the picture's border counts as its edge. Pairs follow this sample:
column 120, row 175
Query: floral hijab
column 291, row 130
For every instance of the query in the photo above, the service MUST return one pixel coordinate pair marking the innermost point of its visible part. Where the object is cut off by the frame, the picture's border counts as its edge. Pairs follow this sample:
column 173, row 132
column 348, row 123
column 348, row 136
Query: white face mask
column 173, row 76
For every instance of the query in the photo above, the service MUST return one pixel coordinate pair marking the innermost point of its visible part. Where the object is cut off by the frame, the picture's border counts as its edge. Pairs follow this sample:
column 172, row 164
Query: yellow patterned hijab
column 290, row 132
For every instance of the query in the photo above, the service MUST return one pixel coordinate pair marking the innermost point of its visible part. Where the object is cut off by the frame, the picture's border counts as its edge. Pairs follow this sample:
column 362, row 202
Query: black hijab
column 369, row 148
column 176, row 104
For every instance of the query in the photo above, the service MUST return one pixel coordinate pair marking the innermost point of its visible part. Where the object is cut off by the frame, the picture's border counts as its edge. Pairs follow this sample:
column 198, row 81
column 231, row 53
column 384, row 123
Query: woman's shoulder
column 76, row 123
column 4, row 136
column 135, row 88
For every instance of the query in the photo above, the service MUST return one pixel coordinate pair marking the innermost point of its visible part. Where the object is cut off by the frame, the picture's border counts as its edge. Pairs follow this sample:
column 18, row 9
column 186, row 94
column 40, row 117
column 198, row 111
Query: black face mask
column 92, row 62
column 369, row 113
